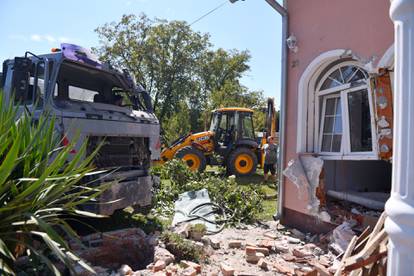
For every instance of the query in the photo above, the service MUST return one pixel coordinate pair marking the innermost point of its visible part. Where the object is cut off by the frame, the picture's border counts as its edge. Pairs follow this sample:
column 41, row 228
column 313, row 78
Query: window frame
column 342, row 91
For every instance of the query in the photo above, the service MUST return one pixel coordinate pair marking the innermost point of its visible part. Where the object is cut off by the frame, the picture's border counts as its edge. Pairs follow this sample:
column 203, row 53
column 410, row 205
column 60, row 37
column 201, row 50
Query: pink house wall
column 362, row 26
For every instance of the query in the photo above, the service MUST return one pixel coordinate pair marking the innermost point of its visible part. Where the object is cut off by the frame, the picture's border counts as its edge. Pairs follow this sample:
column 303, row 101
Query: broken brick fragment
column 254, row 258
column 159, row 265
column 235, row 244
column 267, row 243
column 189, row 271
column 263, row 264
column 226, row 269
column 194, row 265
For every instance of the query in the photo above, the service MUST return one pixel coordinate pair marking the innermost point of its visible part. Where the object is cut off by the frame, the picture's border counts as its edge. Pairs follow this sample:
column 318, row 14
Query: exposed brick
column 250, row 250
column 267, row 243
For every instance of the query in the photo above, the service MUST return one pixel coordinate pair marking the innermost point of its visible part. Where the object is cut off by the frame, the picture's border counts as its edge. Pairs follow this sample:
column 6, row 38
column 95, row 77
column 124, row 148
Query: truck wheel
column 242, row 162
column 194, row 158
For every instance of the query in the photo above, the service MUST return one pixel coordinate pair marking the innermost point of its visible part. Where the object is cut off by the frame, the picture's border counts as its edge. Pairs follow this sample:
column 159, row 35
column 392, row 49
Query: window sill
column 367, row 156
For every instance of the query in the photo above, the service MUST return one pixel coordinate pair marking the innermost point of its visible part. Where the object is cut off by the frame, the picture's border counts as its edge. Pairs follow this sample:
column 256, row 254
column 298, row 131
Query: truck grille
column 120, row 151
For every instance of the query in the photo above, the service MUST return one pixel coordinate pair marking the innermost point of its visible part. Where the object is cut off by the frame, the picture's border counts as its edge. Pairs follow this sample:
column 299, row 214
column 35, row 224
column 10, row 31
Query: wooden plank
column 373, row 244
column 377, row 227
column 364, row 262
column 362, row 239
column 347, row 253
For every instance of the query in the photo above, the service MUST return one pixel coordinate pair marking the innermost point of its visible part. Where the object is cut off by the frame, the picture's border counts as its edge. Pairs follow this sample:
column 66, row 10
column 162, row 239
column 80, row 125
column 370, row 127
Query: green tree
column 161, row 55
column 178, row 66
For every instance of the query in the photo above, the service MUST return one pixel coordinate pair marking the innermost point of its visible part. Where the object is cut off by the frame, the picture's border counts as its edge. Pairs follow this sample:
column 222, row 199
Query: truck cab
column 91, row 102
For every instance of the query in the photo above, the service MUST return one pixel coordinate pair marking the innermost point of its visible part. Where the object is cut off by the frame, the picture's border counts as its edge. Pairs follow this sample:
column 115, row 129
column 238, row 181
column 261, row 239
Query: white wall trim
column 387, row 60
column 304, row 142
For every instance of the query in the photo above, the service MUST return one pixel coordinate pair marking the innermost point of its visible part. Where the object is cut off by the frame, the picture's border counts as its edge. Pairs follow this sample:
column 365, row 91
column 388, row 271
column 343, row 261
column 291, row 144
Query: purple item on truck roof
column 79, row 54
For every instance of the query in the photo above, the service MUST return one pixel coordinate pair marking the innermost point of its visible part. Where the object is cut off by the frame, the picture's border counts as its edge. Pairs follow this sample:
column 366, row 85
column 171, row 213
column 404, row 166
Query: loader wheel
column 242, row 162
column 194, row 158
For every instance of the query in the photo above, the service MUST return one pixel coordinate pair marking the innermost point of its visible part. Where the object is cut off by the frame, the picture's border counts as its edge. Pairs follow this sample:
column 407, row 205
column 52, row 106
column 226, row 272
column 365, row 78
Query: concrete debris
column 214, row 243
column 125, row 270
column 159, row 265
column 254, row 258
column 342, row 235
column 189, row 271
column 270, row 235
column 183, row 229
column 263, row 264
column 162, row 254
column 264, row 250
column 293, row 240
column 195, row 266
column 226, row 269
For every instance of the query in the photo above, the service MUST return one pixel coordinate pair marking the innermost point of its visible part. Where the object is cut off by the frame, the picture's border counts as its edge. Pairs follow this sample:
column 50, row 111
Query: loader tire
column 193, row 157
column 242, row 162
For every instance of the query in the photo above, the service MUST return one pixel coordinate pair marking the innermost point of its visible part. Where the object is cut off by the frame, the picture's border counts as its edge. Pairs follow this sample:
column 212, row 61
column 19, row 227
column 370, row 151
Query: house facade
column 339, row 110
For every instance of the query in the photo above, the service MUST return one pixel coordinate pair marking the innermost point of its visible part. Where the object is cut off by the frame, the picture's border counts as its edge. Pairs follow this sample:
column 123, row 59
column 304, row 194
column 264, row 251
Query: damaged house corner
column 339, row 116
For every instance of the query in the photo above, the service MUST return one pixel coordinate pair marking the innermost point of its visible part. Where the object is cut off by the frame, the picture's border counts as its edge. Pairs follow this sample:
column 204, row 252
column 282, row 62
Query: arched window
column 344, row 106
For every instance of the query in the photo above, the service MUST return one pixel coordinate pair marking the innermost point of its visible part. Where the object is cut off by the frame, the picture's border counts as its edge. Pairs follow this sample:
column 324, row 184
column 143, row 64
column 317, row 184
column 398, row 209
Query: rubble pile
column 366, row 253
column 265, row 249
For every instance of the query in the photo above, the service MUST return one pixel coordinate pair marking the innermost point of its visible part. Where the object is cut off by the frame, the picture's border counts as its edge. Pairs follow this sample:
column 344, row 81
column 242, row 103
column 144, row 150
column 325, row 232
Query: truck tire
column 242, row 162
column 193, row 157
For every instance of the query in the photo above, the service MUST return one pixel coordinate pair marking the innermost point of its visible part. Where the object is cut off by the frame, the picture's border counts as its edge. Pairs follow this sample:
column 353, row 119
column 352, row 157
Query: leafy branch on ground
column 242, row 203
column 181, row 248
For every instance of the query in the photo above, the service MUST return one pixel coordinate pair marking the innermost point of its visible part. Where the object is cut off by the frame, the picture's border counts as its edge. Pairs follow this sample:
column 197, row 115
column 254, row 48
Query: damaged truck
column 93, row 103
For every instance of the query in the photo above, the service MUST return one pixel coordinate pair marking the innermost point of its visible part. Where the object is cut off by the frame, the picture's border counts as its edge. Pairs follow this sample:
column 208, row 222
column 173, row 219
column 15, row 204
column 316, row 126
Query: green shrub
column 181, row 248
column 39, row 187
column 241, row 203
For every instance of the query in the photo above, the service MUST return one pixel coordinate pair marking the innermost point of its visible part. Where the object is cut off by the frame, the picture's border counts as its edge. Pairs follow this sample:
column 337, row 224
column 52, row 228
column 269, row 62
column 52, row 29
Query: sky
column 38, row 26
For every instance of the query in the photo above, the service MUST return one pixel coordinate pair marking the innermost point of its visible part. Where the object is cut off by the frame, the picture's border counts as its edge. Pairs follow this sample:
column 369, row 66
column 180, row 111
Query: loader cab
column 232, row 127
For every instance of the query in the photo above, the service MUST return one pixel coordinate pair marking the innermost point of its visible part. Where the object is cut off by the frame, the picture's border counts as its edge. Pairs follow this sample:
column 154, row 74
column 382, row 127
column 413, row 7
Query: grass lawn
column 269, row 188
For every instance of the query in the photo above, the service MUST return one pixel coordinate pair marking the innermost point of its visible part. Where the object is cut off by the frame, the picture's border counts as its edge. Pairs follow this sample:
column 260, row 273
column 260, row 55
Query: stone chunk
column 215, row 243
column 254, row 258
column 250, row 250
column 189, row 271
column 270, row 235
column 235, row 244
column 300, row 253
column 293, row 240
column 280, row 247
column 226, row 269
column 194, row 265
column 125, row 270
column 267, row 243
column 159, row 265
column 263, row 264
column 183, row 230
column 162, row 254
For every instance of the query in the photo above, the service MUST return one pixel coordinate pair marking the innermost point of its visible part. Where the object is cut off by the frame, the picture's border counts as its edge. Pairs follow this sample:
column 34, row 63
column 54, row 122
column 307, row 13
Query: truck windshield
column 80, row 83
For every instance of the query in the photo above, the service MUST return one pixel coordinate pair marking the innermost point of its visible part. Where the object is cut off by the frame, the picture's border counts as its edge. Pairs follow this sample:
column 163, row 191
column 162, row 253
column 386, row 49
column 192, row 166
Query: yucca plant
column 39, row 189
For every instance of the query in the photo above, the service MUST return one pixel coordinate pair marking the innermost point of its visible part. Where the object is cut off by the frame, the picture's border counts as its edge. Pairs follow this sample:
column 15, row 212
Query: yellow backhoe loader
column 230, row 142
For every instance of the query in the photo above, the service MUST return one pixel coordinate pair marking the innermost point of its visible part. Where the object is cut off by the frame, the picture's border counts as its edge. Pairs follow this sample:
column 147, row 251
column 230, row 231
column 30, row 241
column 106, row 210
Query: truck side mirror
column 21, row 76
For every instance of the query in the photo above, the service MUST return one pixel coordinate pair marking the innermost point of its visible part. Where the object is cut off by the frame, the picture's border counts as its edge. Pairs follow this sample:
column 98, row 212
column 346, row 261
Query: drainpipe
column 400, row 206
column 281, row 159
